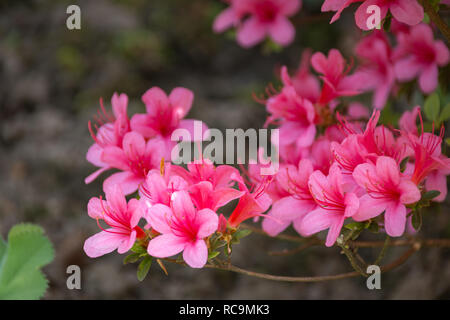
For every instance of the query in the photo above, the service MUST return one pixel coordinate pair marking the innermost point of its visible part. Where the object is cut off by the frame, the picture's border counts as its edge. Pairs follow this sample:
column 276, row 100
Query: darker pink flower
column 386, row 191
column 419, row 55
column 268, row 18
column 122, row 219
column 334, row 205
column 182, row 228
column 136, row 158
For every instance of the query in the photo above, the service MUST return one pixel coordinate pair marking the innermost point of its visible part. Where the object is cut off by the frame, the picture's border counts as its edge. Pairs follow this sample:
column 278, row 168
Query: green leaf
column 403, row 164
column 213, row 254
column 138, row 248
column 447, row 141
column 3, row 246
column 429, row 195
column 432, row 107
column 416, row 220
column 143, row 268
column 241, row 233
column 28, row 250
column 355, row 226
column 131, row 258
column 445, row 114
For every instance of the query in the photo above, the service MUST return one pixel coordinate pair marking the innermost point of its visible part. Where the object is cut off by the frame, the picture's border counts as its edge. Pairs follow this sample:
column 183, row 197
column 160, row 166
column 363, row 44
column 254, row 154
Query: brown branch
column 402, row 259
column 436, row 18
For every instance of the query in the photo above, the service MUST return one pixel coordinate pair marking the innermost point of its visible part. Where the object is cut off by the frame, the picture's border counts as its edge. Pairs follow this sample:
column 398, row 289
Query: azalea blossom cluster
column 336, row 168
column 180, row 207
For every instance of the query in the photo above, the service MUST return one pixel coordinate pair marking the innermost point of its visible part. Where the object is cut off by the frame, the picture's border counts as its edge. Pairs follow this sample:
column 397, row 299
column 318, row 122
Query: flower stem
column 437, row 20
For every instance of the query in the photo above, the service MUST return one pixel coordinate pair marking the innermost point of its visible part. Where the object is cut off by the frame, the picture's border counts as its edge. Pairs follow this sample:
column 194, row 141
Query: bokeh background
column 51, row 79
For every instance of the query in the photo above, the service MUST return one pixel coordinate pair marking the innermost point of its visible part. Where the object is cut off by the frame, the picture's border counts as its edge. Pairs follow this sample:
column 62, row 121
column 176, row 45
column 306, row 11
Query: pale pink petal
column 94, row 155
column 134, row 145
column 282, row 31
column 226, row 19
column 166, row 245
column 115, row 157
column 95, row 208
column 95, row 174
column 395, row 219
column 182, row 205
column 351, row 204
column 196, row 254
column 274, row 227
column 159, row 217
column 207, row 222
column 119, row 104
column 369, row 208
column 102, row 243
column 290, row 208
column 409, row 12
column 307, row 137
column 136, row 211
column 116, row 200
column 181, row 100
column 388, row 170
column 250, row 33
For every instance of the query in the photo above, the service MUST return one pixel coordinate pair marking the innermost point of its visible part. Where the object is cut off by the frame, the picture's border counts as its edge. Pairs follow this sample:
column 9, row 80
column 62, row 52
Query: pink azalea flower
column 158, row 188
column 164, row 115
column 377, row 70
column 296, row 115
column 232, row 16
column 203, row 195
column 111, row 129
column 122, row 219
column 136, row 158
column 409, row 12
column 292, row 208
column 183, row 228
column 268, row 18
column 408, row 121
column 387, row 191
column 334, row 205
column 334, row 74
column 419, row 55
column 338, row 6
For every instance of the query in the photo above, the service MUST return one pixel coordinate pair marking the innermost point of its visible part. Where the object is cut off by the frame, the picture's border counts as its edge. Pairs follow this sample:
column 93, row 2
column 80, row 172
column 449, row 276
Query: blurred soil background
column 51, row 79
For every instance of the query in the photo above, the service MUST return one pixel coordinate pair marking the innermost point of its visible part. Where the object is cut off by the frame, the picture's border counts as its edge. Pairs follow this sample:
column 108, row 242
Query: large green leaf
column 27, row 250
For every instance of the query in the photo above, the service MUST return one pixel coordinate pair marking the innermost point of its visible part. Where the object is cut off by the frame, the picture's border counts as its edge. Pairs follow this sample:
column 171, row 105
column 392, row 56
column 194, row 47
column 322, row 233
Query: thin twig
column 436, row 18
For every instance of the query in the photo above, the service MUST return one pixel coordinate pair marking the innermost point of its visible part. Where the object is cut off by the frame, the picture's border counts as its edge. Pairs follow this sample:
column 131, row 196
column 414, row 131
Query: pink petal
column 274, row 227
column 207, row 222
column 361, row 15
column 141, row 124
column 159, row 217
column 388, row 170
column 335, row 230
column 136, row 210
column 282, row 31
column 437, row 181
column 395, row 219
column 134, row 145
column 197, row 129
column 116, row 200
column 165, row 245
column 102, row 243
column 115, row 157
column 409, row 12
column 442, row 53
column 406, row 69
column 126, row 245
column 223, row 196
column 250, row 33
column 316, row 221
column 95, row 208
column 226, row 19
column 307, row 137
column 290, row 208
column 95, row 174
column 351, row 204
column 119, row 104
column 428, row 80
column 196, row 254
column 369, row 208
column 154, row 99
column 94, row 155
column 409, row 192
column 182, row 205
column 181, row 100
column 126, row 180
column 290, row 7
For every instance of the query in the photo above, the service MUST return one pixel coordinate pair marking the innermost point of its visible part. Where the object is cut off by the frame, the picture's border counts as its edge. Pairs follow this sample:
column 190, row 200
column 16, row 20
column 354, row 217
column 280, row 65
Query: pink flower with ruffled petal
column 110, row 130
column 419, row 55
column 387, row 190
column 377, row 70
column 122, row 219
column 183, row 228
column 293, row 208
column 164, row 115
column 268, row 18
column 136, row 158
column 334, row 74
column 204, row 195
column 334, row 205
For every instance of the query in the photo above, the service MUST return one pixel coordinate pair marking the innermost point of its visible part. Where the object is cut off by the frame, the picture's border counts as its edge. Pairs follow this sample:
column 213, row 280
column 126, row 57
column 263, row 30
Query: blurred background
column 51, row 79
